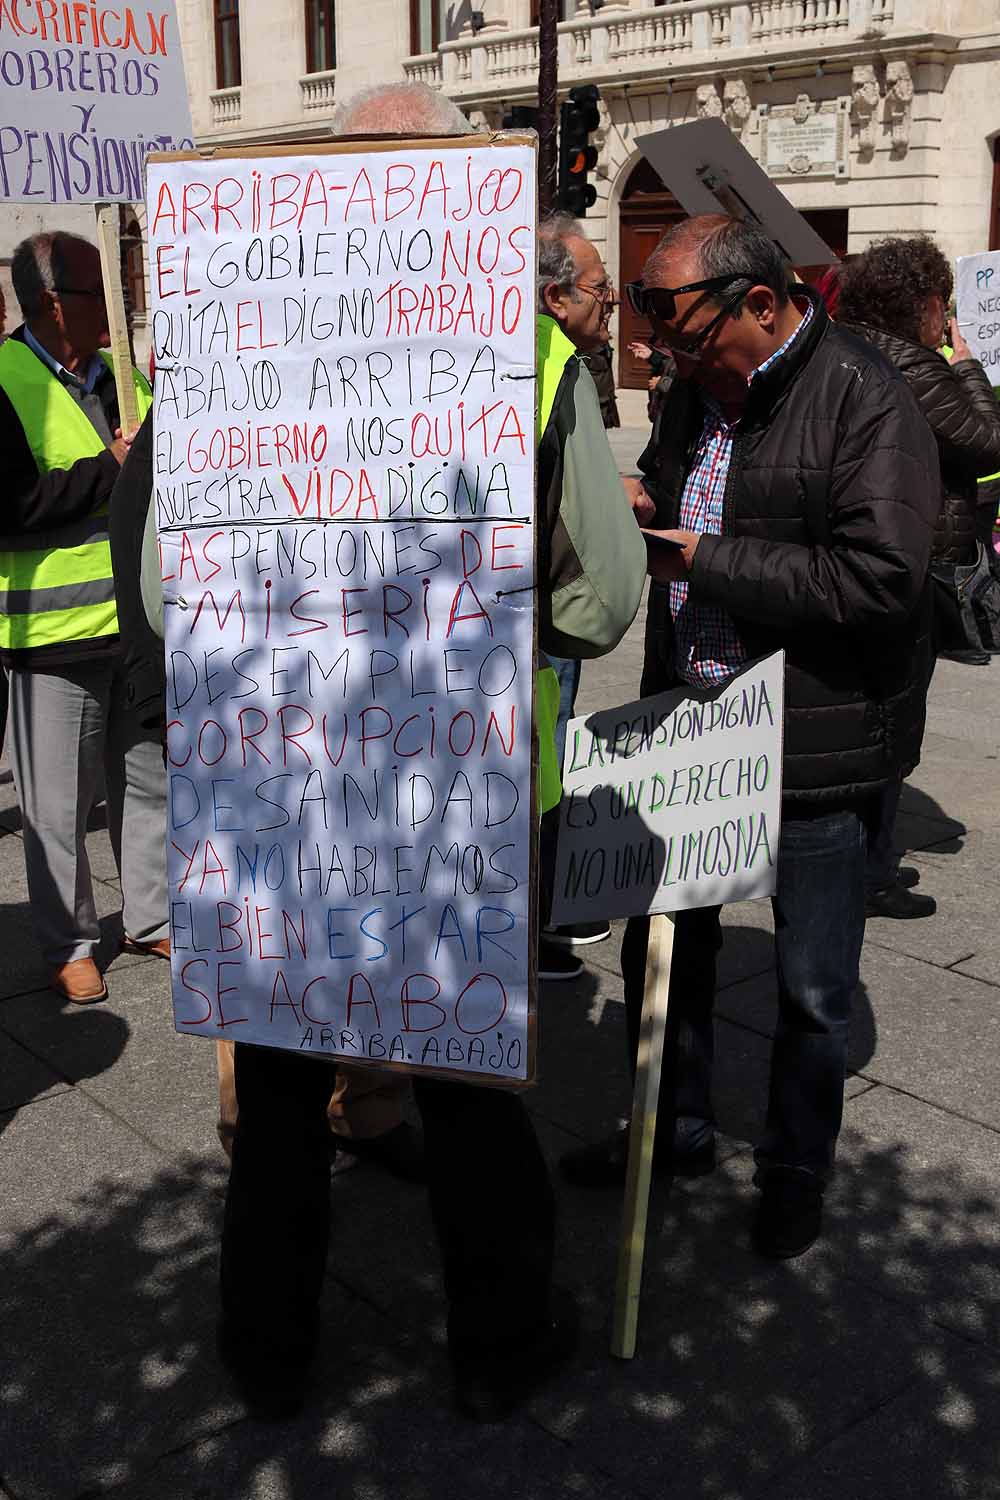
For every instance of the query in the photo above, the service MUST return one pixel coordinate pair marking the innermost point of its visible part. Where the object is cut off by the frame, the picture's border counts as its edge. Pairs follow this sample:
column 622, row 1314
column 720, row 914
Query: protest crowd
column 819, row 481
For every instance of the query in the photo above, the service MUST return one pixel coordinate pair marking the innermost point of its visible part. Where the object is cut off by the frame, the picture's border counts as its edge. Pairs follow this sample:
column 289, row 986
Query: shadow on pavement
column 859, row 1370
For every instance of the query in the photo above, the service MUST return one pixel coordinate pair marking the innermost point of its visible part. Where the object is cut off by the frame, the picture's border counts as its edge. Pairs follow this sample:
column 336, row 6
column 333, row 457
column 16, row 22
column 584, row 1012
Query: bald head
column 399, row 109
column 710, row 245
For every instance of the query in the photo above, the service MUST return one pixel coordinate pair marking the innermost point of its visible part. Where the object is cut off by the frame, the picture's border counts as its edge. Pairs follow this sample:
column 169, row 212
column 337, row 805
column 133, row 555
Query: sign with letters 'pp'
column 977, row 308
column 344, row 490
column 87, row 91
column 674, row 801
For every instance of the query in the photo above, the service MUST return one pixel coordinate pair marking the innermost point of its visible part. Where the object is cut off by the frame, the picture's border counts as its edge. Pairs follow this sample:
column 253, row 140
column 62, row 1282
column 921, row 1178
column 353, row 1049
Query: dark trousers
column 489, row 1190
column 568, row 672
column 819, row 920
column 882, row 869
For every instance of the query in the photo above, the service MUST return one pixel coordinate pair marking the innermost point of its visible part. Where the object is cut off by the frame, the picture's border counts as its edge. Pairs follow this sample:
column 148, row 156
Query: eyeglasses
column 658, row 301
column 603, row 293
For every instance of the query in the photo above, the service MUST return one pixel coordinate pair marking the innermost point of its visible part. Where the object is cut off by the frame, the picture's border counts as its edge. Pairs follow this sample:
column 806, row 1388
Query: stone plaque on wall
column 805, row 139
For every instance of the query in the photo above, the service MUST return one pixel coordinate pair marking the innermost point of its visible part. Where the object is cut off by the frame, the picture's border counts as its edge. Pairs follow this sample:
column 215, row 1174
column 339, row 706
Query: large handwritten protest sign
column 673, row 801
column 86, row 93
column 344, row 491
column 977, row 307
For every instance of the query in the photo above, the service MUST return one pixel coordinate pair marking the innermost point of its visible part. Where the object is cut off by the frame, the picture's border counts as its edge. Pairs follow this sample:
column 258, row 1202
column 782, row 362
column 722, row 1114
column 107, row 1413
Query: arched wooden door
column 647, row 210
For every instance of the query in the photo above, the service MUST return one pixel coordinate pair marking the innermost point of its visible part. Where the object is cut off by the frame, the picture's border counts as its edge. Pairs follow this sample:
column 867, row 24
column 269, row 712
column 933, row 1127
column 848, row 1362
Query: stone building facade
column 874, row 116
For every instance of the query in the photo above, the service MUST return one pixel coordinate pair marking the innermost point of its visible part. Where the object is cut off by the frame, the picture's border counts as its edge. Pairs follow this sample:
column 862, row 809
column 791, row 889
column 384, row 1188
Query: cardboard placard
column 673, row 801
column 977, row 308
column 86, row 93
column 344, row 487
column 710, row 172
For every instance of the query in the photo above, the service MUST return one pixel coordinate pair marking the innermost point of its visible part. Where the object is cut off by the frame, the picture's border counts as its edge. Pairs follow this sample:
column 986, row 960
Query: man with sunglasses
column 70, row 726
column 795, row 482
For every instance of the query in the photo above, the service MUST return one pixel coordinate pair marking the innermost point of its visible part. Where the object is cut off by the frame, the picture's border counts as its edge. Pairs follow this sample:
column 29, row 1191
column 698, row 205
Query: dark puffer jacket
column 831, row 499
column 961, row 407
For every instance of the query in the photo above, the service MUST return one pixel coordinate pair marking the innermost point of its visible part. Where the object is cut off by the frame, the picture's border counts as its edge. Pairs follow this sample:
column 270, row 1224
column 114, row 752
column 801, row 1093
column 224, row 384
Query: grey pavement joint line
column 871, row 941
column 805, row 1460
column 954, row 1114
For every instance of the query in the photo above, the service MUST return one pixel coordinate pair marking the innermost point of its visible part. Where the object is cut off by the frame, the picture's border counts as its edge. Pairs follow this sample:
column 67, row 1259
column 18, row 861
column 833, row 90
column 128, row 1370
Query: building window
column 565, row 8
column 228, row 71
column 133, row 269
column 321, row 36
column 425, row 26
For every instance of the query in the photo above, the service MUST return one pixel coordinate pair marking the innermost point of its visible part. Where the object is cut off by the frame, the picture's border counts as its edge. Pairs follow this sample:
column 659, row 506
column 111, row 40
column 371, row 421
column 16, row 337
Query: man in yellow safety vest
column 69, row 726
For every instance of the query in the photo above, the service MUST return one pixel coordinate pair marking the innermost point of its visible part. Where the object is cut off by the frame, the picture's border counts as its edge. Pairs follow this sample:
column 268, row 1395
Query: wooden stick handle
column 642, row 1133
column 109, row 244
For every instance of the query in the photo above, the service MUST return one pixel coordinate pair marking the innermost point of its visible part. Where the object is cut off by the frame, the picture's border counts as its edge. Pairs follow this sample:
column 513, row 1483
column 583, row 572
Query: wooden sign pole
column 642, row 1133
column 109, row 244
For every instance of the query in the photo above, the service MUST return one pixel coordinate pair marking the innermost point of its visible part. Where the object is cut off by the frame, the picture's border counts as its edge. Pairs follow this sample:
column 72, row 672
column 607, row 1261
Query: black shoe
column 400, row 1151
column 578, row 934
column 898, row 902
column 789, row 1215
column 604, row 1164
column 271, row 1383
column 907, row 876
column 491, row 1383
column 554, row 962
column 969, row 658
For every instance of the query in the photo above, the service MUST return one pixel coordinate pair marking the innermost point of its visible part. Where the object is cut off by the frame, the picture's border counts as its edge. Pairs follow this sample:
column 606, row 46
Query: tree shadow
column 746, row 1371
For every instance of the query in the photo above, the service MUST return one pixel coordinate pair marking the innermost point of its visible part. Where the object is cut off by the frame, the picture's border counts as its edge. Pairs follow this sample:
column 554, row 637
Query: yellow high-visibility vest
column 56, row 585
column 553, row 350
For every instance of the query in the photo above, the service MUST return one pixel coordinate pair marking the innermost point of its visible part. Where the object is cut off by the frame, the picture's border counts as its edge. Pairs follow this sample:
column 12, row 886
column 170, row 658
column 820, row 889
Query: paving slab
column 127, row 1055
column 24, row 1077
column 915, row 1210
column 939, row 1437
column 933, row 1032
column 388, row 1435
column 742, row 1366
column 21, row 965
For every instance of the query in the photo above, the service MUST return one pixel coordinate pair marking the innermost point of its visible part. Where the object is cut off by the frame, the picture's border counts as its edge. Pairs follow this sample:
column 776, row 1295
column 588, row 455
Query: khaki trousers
column 366, row 1102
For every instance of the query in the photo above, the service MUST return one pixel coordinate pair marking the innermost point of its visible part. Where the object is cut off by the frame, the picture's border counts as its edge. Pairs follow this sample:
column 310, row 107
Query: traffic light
column 577, row 157
column 520, row 117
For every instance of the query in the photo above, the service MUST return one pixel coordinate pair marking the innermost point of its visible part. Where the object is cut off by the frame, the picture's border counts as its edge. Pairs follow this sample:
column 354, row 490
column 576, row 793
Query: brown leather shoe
column 80, row 981
column 159, row 949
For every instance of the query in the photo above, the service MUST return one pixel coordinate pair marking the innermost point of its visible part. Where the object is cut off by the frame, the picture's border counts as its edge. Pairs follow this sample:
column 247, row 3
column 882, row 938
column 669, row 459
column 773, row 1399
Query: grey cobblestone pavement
column 870, row 1367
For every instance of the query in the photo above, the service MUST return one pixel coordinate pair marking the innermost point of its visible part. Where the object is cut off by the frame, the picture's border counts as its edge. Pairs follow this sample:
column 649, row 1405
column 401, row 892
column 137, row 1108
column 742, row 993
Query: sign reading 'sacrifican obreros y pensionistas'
column 87, row 91
column 344, row 490
column 673, row 801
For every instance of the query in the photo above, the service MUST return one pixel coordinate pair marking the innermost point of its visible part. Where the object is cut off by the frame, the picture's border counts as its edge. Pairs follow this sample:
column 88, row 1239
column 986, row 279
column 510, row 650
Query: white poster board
column 673, row 801
column 977, row 308
column 86, row 93
column 344, row 489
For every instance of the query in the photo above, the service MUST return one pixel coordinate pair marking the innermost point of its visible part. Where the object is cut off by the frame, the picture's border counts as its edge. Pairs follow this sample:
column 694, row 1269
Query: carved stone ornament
column 736, row 105
column 708, row 101
column 864, row 104
column 899, row 104
column 802, row 109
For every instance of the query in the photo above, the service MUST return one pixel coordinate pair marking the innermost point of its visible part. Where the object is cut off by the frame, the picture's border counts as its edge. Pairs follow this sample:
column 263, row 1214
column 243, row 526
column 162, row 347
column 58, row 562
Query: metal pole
column 548, row 77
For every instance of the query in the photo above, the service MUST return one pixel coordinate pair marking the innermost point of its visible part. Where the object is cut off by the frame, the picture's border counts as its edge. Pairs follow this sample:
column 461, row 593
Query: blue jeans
column 819, row 926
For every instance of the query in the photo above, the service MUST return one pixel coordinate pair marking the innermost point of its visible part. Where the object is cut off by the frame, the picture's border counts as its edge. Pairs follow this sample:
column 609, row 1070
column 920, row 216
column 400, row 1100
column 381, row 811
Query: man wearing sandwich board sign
column 349, row 589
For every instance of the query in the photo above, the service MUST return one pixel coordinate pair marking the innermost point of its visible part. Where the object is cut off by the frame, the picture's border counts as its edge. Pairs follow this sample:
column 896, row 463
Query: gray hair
column 399, row 109
column 724, row 246
column 556, row 266
column 38, row 265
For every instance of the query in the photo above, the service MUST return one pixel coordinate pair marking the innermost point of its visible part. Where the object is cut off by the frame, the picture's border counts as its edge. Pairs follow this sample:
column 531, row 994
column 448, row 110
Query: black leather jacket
column 830, row 503
column 959, row 403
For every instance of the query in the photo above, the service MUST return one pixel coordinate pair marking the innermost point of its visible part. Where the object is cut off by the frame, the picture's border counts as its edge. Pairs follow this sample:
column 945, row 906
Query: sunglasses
column 658, row 302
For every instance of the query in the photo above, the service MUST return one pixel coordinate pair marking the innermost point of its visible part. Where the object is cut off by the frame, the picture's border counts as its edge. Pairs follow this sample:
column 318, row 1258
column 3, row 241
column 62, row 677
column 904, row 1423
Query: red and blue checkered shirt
column 707, row 646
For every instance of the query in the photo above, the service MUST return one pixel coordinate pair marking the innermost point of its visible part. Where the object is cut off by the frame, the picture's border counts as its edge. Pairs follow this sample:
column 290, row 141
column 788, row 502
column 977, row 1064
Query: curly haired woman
column 896, row 295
